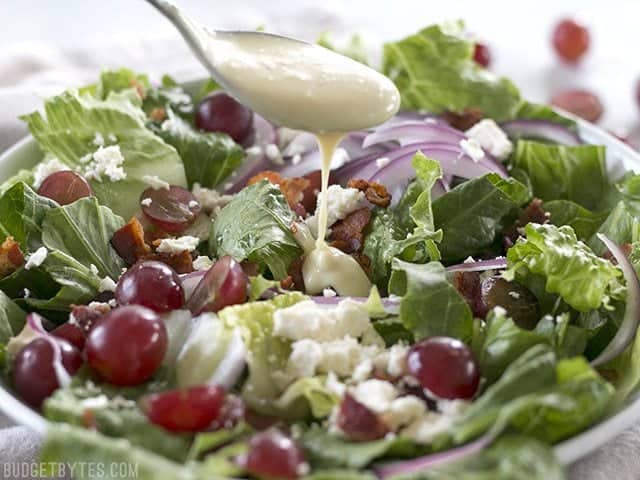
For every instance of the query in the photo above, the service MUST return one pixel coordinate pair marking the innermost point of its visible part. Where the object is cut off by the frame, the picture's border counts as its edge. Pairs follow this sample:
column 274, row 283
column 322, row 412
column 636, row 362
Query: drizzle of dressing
column 308, row 87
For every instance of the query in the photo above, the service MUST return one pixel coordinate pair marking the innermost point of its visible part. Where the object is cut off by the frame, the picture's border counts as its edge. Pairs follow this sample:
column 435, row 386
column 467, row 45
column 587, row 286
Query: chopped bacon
column 129, row 242
column 364, row 262
column 86, row 316
column 134, row 83
column 292, row 188
column 287, row 283
column 181, row 262
column 375, row 192
column 465, row 120
column 348, row 234
column 531, row 213
column 158, row 114
column 470, row 287
column 11, row 257
column 310, row 194
column 295, row 273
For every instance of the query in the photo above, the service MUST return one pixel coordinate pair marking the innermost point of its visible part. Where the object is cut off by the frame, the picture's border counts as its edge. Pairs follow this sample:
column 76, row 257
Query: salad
column 153, row 306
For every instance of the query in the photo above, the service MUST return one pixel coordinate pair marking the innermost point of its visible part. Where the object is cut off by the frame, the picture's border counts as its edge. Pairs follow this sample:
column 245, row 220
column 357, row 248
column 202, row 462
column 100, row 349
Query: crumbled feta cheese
column 341, row 202
column 296, row 159
column 145, row 202
column 101, row 306
column 375, row 394
column 309, row 320
column 305, row 357
column 178, row 245
column 334, row 385
column 92, row 403
column 427, row 427
column 254, row 151
column 155, row 182
column 193, row 204
column 340, row 157
column 286, row 136
column 46, row 168
column 36, row 258
column 106, row 161
column 228, row 186
column 98, row 140
column 397, row 360
column 329, row 292
column 107, row 285
column 202, row 263
column 113, row 303
column 382, row 162
column 514, row 294
column 26, row 293
column 273, row 153
column 210, row 200
column 491, row 138
column 362, row 371
column 112, row 138
column 404, row 411
column 472, row 148
column 94, row 269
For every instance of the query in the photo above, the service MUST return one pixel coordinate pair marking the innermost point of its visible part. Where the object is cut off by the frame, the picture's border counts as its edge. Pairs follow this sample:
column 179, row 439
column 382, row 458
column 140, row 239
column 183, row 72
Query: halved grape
column 152, row 284
column 65, row 187
column 33, row 374
column 172, row 210
column 127, row 345
column 482, row 55
column 582, row 103
column 189, row 410
column 359, row 422
column 224, row 284
column 220, row 112
column 272, row 454
column 72, row 334
column 445, row 367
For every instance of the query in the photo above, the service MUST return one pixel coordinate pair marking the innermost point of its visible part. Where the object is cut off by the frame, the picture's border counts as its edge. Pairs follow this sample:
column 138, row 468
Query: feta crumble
column 341, row 202
column 329, row 292
column 382, row 162
column 375, row 394
column 210, row 200
column 107, row 285
column 202, row 263
column 36, row 258
column 46, row 168
column 254, row 151
column 340, row 157
column 155, row 182
column 94, row 269
column 472, row 148
column 178, row 245
column 106, row 161
column 145, row 202
column 193, row 204
column 273, row 153
column 98, row 140
column 491, row 138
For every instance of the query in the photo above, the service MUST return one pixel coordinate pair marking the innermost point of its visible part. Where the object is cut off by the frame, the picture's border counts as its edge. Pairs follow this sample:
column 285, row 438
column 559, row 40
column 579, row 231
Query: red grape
column 482, row 55
column 445, row 367
column 152, row 284
column 224, row 284
column 570, row 40
column 33, row 374
column 65, row 187
column 272, row 454
column 220, row 112
column 189, row 410
column 358, row 422
column 127, row 345
column 72, row 334
column 172, row 210
column 582, row 103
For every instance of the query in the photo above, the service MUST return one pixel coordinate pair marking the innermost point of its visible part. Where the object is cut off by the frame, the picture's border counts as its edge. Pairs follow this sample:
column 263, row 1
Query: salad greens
column 506, row 268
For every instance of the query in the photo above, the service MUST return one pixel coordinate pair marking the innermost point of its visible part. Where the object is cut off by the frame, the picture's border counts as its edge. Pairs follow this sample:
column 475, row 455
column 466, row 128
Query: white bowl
column 620, row 157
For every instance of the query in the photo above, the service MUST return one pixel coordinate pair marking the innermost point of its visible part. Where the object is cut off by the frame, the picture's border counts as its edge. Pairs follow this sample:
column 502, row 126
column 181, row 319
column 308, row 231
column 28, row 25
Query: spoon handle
column 196, row 36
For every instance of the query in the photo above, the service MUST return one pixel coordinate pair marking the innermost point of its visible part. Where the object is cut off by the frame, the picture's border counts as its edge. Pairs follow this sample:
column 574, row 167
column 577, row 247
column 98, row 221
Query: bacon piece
column 348, row 234
column 465, row 120
column 292, row 188
column 129, row 242
column 375, row 192
column 531, row 213
column 470, row 287
column 310, row 194
column 11, row 257
column 86, row 316
column 295, row 273
column 181, row 262
column 158, row 114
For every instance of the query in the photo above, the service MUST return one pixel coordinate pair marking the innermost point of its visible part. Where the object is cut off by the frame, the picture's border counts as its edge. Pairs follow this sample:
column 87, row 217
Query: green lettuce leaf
column 471, row 214
column 621, row 226
column 114, row 81
column 170, row 96
column 256, row 226
column 536, row 111
column 434, row 71
column 69, row 127
column 584, row 222
column 559, row 172
column 208, row 158
column 307, row 396
column 430, row 305
column 11, row 319
column 570, row 269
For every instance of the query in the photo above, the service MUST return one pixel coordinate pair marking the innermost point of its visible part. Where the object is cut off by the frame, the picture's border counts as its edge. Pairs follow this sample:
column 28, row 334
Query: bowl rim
column 567, row 451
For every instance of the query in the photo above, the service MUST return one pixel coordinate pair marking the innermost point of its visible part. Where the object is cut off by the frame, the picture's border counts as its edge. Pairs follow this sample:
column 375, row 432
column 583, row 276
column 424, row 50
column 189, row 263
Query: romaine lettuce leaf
column 430, row 305
column 208, row 158
column 434, row 71
column 68, row 130
column 559, row 172
column 621, row 226
column 471, row 214
column 571, row 270
column 584, row 222
column 11, row 319
column 536, row 111
column 256, row 226
column 307, row 396
column 118, row 80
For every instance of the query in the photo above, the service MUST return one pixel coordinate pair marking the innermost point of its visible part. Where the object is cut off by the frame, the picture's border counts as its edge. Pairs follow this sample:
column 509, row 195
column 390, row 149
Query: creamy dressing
column 304, row 86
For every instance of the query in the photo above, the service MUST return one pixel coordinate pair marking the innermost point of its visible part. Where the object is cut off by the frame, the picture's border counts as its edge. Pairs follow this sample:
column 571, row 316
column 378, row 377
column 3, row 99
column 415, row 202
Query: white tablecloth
column 30, row 71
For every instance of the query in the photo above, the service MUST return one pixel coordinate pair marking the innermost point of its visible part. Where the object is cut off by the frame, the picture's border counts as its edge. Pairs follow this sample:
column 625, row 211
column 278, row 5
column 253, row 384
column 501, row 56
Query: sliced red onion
column 413, row 132
column 412, row 115
column 410, row 467
column 541, row 129
column 190, row 282
column 498, row 263
column 391, row 304
column 629, row 326
column 34, row 321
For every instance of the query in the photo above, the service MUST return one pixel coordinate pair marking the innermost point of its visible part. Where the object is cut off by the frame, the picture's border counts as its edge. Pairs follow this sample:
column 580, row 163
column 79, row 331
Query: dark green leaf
column 536, row 111
column 583, row 221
